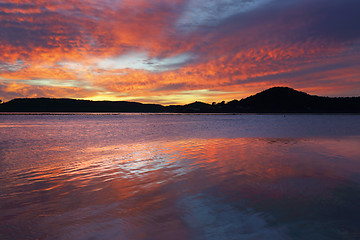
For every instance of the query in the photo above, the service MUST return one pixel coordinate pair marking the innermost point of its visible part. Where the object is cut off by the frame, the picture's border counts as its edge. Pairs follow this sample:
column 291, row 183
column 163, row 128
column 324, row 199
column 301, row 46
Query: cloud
column 141, row 61
column 199, row 13
column 15, row 90
column 139, row 48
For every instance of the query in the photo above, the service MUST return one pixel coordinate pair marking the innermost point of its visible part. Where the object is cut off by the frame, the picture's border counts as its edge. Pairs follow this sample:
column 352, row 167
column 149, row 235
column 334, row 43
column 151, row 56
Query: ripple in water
column 61, row 184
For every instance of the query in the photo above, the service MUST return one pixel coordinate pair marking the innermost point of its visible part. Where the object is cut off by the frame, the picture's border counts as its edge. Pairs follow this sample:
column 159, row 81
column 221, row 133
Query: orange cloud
column 24, row 90
column 232, row 57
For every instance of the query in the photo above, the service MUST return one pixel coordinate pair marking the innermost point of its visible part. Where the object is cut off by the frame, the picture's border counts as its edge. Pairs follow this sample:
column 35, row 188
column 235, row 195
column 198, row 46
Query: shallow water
column 153, row 176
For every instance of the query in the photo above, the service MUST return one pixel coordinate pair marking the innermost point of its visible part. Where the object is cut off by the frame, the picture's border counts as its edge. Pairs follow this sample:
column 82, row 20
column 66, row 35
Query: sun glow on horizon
column 177, row 52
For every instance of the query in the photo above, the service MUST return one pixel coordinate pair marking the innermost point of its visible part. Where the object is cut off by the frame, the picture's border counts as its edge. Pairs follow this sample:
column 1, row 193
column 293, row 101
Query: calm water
column 136, row 176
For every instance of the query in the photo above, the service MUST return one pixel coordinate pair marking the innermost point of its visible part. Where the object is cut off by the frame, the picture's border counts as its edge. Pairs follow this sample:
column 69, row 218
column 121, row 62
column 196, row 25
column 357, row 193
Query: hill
column 272, row 100
column 72, row 105
column 288, row 100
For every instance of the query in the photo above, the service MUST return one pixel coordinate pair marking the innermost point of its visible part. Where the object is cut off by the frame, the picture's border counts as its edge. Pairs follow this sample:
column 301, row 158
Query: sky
column 177, row 51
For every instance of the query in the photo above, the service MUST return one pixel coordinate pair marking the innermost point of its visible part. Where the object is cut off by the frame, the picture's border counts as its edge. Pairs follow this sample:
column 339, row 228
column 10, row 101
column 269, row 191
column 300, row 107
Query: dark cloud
column 45, row 29
column 291, row 22
column 231, row 43
column 11, row 6
column 171, row 87
column 276, row 20
column 338, row 20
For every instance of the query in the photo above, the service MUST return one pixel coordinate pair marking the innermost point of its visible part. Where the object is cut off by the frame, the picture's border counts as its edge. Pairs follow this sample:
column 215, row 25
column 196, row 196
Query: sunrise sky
column 177, row 51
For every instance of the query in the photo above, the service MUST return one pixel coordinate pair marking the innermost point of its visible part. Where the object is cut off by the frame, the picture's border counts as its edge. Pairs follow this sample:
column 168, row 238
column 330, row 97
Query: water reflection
column 242, row 188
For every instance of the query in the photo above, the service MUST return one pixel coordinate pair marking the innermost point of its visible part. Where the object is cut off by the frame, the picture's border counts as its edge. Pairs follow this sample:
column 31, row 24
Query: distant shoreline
column 150, row 113
column 276, row 100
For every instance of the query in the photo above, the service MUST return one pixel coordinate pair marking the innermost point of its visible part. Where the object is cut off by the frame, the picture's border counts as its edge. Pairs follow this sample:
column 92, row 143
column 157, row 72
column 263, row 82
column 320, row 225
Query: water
column 149, row 176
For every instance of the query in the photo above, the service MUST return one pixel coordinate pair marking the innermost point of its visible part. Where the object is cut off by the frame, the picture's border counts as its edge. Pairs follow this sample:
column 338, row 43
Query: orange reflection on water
column 139, row 190
column 155, row 162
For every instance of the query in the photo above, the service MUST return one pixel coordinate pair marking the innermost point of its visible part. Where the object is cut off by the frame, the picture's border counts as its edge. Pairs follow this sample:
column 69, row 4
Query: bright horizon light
column 177, row 51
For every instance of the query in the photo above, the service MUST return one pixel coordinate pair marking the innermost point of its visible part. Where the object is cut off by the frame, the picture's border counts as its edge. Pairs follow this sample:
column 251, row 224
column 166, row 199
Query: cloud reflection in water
column 255, row 188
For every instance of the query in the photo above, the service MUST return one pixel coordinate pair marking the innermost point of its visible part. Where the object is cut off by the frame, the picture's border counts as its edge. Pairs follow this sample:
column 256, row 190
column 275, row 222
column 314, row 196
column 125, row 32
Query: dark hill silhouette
column 273, row 100
column 288, row 100
column 72, row 105
column 196, row 107
column 278, row 99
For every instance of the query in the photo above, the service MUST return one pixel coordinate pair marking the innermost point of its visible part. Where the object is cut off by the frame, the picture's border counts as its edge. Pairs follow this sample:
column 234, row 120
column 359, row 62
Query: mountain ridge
column 272, row 100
